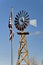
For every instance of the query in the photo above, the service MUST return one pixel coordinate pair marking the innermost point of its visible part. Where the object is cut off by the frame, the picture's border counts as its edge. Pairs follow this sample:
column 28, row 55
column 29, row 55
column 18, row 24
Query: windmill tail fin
column 33, row 22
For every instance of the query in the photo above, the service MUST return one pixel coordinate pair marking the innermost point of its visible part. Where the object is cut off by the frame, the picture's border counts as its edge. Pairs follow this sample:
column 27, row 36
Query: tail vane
column 33, row 22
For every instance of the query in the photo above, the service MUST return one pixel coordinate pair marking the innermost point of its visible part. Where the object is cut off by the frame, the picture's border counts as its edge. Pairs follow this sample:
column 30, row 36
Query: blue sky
column 35, row 42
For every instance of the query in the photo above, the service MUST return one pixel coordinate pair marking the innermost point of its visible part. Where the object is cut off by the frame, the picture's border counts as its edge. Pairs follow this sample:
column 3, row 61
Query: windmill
column 21, row 22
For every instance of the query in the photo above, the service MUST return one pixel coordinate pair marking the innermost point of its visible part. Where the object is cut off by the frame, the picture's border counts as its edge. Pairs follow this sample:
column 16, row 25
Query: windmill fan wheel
column 21, row 20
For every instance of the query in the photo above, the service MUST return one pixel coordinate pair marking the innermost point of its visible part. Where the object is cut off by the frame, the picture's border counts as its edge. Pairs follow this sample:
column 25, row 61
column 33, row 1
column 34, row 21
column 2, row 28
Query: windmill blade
column 36, row 33
column 33, row 22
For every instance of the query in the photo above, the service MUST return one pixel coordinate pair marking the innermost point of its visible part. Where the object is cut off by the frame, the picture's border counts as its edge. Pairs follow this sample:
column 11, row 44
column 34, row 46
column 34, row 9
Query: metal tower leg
column 23, row 49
